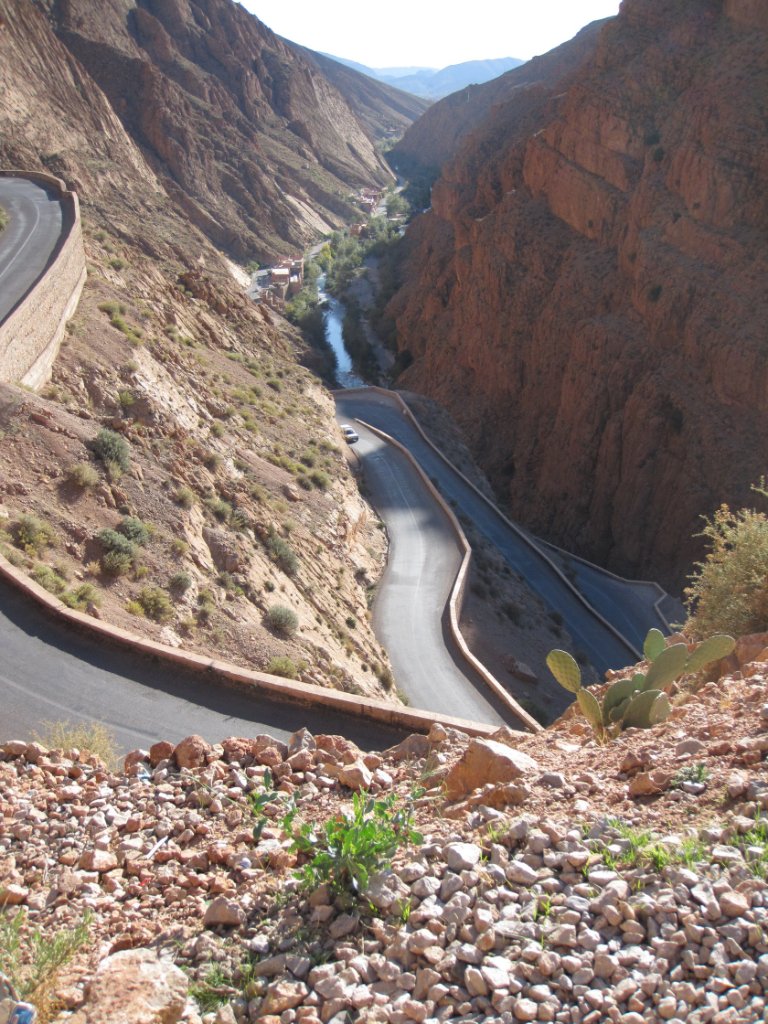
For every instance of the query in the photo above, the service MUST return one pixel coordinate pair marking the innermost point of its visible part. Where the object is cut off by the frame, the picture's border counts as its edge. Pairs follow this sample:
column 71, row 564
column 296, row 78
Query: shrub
column 91, row 736
column 729, row 589
column 134, row 529
column 282, row 554
column 184, row 496
column 32, row 534
column 112, row 449
column 49, row 579
column 219, row 508
column 283, row 667
column 117, row 563
column 206, row 605
column 282, row 620
column 320, row 479
column 180, row 582
column 82, row 474
column 111, row 540
column 82, row 596
column 155, row 603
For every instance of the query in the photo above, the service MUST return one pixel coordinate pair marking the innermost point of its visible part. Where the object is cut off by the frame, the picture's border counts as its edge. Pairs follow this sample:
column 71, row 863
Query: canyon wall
column 588, row 294
column 248, row 136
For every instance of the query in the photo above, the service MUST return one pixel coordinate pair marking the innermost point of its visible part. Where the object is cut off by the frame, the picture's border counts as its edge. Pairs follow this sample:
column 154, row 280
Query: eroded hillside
column 233, row 461
column 248, row 136
column 587, row 294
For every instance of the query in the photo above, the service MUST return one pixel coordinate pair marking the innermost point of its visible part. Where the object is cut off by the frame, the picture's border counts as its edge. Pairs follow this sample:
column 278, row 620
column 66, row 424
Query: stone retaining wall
column 31, row 335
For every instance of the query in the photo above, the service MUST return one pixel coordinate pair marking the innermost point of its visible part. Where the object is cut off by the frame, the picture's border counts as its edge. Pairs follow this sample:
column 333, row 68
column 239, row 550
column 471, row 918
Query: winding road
column 424, row 559
column 603, row 643
column 50, row 673
column 29, row 241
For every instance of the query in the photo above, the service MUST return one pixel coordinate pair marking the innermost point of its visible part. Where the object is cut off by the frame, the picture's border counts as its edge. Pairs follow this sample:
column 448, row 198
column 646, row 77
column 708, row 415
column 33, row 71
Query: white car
column 350, row 434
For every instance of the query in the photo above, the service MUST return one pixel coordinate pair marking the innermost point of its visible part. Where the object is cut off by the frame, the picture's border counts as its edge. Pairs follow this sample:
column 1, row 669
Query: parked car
column 350, row 434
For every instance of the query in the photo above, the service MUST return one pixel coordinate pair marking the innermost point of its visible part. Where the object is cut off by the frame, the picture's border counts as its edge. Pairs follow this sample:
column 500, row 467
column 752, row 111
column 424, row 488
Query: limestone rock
column 487, row 761
column 192, row 752
column 135, row 987
column 356, row 775
column 223, row 912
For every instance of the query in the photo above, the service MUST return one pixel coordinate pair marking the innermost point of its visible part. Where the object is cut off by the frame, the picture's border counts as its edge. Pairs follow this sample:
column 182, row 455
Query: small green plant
column 691, row 773
column 81, row 597
column 213, row 989
column 32, row 534
column 542, row 908
column 638, row 701
column 113, row 449
column 82, row 474
column 31, row 959
column 347, row 849
column 155, row 603
column 284, row 667
column 282, row 554
column 282, row 620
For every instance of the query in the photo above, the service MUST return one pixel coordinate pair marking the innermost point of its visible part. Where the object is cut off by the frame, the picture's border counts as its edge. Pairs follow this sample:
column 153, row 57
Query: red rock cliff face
column 589, row 295
column 251, row 139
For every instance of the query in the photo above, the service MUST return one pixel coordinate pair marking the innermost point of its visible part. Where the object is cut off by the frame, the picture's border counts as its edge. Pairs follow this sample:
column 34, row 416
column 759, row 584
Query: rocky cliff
column 247, row 134
column 587, row 294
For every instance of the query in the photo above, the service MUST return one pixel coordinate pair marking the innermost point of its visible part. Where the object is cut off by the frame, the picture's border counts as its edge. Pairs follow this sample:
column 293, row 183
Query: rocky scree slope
column 555, row 879
column 249, row 137
column 233, row 461
column 591, row 275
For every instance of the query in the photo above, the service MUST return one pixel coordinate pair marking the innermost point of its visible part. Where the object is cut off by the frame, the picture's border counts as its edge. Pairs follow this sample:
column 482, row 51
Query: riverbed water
column 334, row 318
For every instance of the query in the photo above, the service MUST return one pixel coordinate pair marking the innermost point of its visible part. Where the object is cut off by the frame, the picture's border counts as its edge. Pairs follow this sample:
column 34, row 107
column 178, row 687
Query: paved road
column 604, row 649
column 49, row 673
column 28, row 242
column 408, row 613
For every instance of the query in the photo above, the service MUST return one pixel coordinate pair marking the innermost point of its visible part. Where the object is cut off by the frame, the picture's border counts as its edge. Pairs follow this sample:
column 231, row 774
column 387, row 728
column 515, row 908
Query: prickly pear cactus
column 712, row 649
column 654, row 644
column 565, row 670
column 666, row 667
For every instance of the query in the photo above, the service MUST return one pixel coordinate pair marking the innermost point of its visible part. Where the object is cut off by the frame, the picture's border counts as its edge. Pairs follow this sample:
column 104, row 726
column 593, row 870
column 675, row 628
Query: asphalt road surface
column 409, row 614
column 50, row 673
column 604, row 648
column 28, row 242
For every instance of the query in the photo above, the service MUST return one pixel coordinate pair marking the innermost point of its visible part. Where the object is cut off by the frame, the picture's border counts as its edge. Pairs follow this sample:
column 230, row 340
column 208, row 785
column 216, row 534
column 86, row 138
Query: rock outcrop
column 587, row 294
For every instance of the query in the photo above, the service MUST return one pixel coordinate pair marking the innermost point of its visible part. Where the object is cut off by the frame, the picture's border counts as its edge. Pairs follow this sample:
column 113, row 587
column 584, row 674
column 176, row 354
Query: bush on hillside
column 729, row 589
column 282, row 620
column 112, row 449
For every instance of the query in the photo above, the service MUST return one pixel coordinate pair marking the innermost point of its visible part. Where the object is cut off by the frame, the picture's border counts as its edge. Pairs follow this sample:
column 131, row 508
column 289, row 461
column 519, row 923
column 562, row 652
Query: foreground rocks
column 548, row 894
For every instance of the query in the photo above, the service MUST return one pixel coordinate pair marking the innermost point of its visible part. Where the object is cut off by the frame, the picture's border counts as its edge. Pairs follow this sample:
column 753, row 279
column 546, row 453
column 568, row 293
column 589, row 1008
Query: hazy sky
column 414, row 32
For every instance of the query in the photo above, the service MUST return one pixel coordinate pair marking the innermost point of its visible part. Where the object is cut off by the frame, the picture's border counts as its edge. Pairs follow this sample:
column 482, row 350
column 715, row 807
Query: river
column 334, row 318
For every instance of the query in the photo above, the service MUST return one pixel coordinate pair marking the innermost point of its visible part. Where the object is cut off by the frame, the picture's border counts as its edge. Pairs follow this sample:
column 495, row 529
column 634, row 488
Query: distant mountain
column 434, row 83
column 383, row 109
